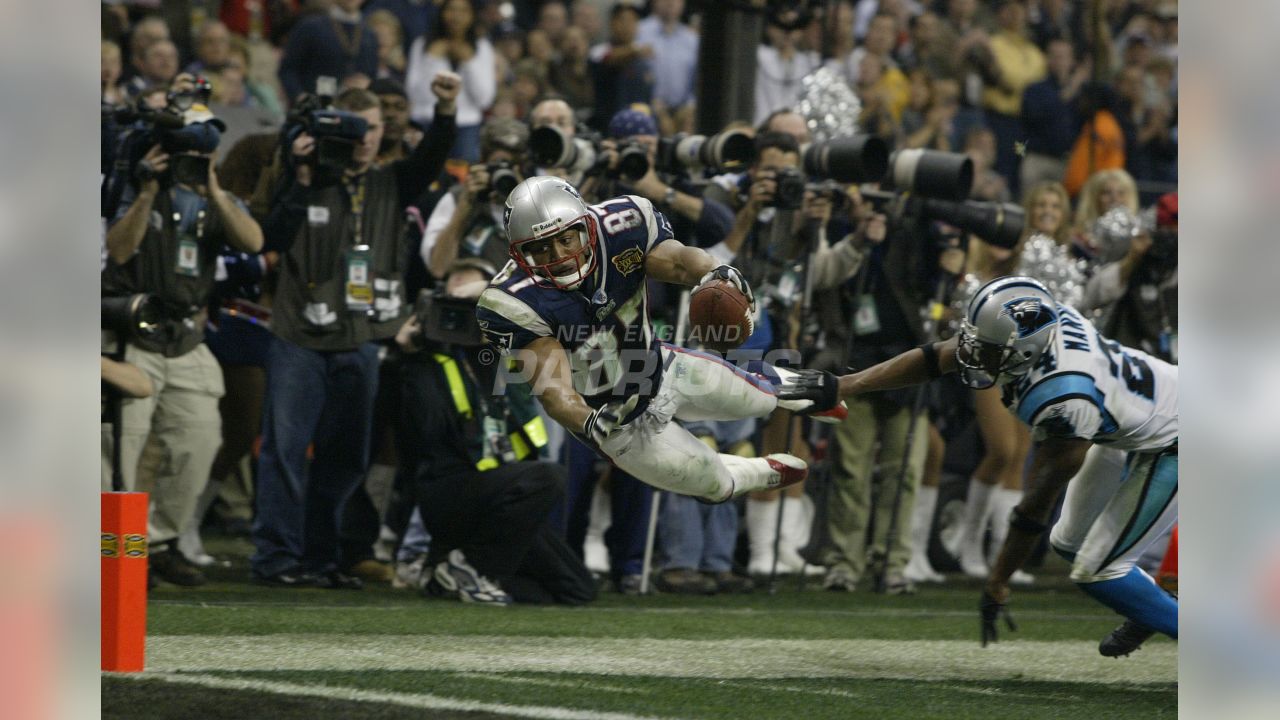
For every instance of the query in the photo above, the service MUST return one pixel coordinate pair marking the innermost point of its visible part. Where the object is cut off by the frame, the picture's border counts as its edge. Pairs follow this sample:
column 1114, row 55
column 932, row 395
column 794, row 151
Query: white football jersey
column 1086, row 386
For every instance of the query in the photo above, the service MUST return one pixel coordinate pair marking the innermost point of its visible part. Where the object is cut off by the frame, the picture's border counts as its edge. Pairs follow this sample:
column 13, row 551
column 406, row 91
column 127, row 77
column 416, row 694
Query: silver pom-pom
column 965, row 288
column 1113, row 232
column 829, row 106
column 1052, row 264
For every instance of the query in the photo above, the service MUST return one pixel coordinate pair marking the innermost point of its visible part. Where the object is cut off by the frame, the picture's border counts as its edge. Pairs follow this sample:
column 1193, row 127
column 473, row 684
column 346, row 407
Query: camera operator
column 468, row 219
column 777, row 217
column 172, row 222
column 886, row 301
column 472, row 447
column 337, row 222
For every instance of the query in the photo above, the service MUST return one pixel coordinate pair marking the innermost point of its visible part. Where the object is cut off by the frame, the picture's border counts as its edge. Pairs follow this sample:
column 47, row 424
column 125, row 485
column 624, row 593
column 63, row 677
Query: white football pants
column 695, row 386
column 1115, row 507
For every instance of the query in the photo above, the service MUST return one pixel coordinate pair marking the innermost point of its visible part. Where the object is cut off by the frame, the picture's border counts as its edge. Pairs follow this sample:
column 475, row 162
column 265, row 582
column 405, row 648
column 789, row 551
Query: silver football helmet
column 1008, row 324
column 541, row 208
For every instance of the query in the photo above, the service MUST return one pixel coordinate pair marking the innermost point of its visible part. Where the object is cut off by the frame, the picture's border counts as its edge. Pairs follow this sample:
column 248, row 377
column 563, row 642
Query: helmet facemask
column 984, row 364
column 564, row 273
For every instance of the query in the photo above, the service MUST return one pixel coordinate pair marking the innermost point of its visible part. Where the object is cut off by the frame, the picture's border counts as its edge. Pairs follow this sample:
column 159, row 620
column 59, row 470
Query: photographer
column 173, row 221
column 337, row 223
column 635, row 133
column 472, row 448
column 1135, row 296
column 759, row 197
column 468, row 219
column 875, row 314
column 777, row 220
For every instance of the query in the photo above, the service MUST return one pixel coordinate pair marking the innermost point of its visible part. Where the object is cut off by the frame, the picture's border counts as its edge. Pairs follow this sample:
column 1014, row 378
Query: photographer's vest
column 176, row 261
column 313, row 304
column 504, row 439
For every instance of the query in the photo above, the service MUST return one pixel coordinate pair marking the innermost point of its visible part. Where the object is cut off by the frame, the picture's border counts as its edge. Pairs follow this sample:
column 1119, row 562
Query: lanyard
column 356, row 192
column 350, row 47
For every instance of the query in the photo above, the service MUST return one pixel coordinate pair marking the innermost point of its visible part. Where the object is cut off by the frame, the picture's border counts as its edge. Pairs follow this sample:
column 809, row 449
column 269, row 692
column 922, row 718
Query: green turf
column 1052, row 611
column 683, row 698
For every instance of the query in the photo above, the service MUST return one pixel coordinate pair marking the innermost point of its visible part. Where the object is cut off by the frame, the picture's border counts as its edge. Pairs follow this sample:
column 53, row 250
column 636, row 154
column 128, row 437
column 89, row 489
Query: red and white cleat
column 790, row 470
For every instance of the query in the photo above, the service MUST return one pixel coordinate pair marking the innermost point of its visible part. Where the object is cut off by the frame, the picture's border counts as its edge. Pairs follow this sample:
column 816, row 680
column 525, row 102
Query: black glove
column 818, row 386
column 731, row 274
column 991, row 610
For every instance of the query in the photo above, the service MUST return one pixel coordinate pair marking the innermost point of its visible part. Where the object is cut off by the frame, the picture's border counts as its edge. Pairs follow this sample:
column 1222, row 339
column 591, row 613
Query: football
column 719, row 316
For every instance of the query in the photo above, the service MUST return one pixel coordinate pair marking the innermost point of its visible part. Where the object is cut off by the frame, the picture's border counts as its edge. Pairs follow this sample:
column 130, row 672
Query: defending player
column 572, row 307
column 1075, row 388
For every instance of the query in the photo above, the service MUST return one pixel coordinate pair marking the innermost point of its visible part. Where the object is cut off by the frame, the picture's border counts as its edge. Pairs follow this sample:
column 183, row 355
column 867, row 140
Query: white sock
column 795, row 532
column 1005, row 501
column 977, row 509
column 595, row 554
column 922, row 518
column 762, row 518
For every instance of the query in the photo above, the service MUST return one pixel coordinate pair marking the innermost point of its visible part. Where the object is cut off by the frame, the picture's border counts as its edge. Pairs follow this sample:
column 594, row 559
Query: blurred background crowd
column 302, row 200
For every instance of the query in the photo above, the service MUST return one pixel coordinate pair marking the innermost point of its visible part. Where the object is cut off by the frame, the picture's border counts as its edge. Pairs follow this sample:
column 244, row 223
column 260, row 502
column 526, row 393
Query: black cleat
column 1124, row 639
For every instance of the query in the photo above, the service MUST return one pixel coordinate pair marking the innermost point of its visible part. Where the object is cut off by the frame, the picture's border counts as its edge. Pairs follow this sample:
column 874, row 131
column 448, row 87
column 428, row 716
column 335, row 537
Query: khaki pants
column 181, row 417
column 849, row 511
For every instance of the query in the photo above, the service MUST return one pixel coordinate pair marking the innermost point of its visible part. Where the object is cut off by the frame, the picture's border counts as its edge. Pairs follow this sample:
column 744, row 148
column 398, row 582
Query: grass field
column 232, row 650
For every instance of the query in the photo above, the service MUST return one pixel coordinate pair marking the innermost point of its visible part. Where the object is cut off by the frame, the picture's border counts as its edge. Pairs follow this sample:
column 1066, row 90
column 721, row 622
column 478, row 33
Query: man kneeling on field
column 483, row 494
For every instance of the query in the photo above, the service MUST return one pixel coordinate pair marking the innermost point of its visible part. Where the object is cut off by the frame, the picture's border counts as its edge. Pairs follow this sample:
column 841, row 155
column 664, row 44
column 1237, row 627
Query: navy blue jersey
column 604, row 324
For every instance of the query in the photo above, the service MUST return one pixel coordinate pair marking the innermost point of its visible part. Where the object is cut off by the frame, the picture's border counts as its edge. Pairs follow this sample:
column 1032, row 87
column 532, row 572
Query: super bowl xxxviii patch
column 629, row 261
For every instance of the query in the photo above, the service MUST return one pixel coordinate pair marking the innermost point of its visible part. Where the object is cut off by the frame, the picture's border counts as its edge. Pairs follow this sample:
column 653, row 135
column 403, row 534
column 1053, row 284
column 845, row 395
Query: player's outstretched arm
column 674, row 262
column 910, row 368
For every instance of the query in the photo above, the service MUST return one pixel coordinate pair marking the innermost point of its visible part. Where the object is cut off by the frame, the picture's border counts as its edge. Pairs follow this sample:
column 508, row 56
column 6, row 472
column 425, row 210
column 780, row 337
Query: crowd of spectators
column 296, row 397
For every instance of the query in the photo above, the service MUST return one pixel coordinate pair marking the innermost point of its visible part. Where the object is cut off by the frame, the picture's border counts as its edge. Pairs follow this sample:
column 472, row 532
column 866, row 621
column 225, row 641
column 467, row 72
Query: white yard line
column 547, row 682
column 929, row 660
column 413, row 700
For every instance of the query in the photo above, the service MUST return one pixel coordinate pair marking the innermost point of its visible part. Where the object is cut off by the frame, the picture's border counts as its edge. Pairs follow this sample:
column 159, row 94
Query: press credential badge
column 359, row 280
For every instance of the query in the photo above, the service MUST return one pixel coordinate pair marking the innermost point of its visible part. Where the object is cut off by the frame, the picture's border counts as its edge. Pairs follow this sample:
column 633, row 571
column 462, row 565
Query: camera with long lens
column 633, row 161
column 930, row 173
column 789, row 190
column 857, row 159
column 138, row 318
column 502, row 180
column 998, row 224
column 729, row 151
column 446, row 320
column 550, row 147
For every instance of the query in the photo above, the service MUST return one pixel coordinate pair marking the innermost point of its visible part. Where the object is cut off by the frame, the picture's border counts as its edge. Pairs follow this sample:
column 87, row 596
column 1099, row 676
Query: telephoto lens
column 931, row 173
column 550, row 147
column 857, row 159
column 633, row 161
column 998, row 224
column 729, row 151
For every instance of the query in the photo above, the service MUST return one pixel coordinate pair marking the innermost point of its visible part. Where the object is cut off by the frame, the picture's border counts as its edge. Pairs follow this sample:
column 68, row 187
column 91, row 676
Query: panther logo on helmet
column 1030, row 315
